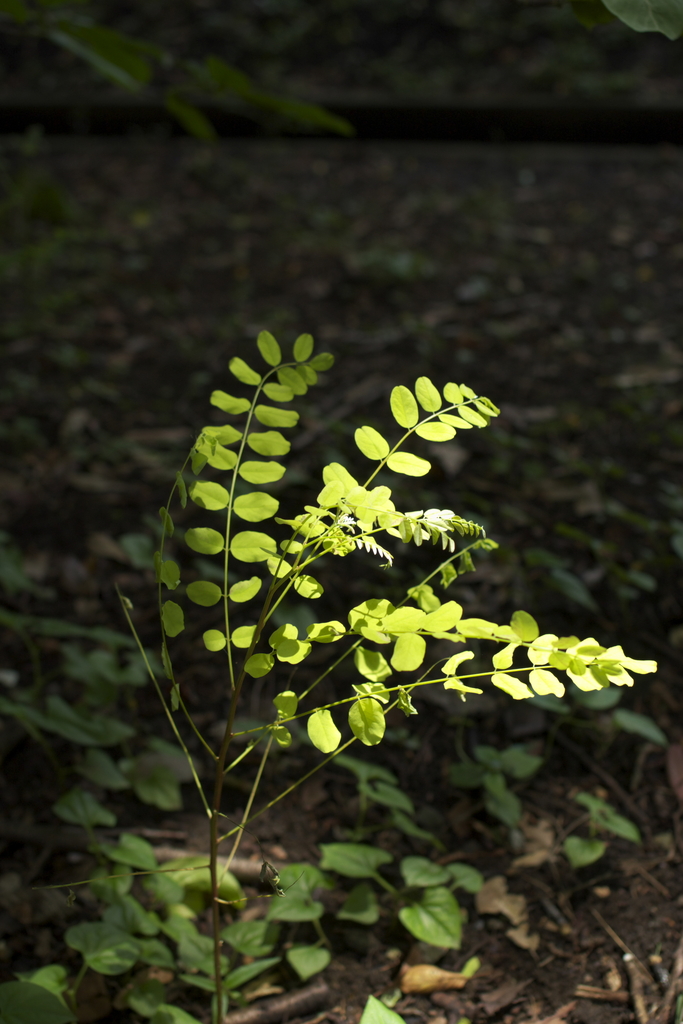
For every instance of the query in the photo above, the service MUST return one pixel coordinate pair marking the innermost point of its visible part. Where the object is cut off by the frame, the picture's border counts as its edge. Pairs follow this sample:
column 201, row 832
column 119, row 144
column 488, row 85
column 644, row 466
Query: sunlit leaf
column 371, row 664
column 308, row 587
column 242, row 636
column 204, row 540
column 214, row 640
column 525, row 626
column 269, row 442
column 261, row 472
column 209, row 495
column 228, row 403
column 205, row 593
column 269, row 348
column 271, row 417
column 288, row 376
column 173, row 618
column 435, row 431
column 251, row 546
column 256, row 506
column 245, row 589
column 371, row 443
column 409, row 465
column 453, row 394
column 322, row 732
column 544, row 682
column 367, row 721
column 512, row 685
column 470, row 415
column 404, row 407
column 409, row 652
column 259, row 665
column 303, row 348
column 427, row 395
column 435, row 918
column 238, row 368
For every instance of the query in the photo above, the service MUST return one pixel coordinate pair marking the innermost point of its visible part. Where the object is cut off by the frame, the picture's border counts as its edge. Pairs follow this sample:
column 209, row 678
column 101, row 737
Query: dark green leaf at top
column 323, row 361
column 288, row 376
column 269, row 348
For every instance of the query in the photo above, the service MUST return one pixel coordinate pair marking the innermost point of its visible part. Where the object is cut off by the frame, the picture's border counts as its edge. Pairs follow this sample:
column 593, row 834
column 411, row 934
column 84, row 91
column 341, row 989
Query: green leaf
column 255, row 506
column 166, row 522
column 251, row 546
column 323, row 361
column 421, row 872
column 153, row 783
column 444, row 618
column 15, row 8
column 323, row 732
column 242, row 636
column 283, row 736
column 112, row 54
column 299, row 882
column 293, row 651
column 545, row 682
column 580, row 852
column 303, row 348
column 225, row 434
column 453, row 394
column 168, row 1014
column 52, row 978
column 170, row 574
column 525, row 626
column 466, row 877
column 331, row 494
column 228, row 403
column 259, row 665
column 361, row 905
column 23, row 1002
column 269, row 442
column 205, row 593
column 326, row 632
column 130, row 916
column 269, row 348
column 435, row 431
column 204, row 540
column 371, row 664
column 404, row 407
column 367, row 721
column 516, row 762
column 405, row 703
column 190, row 117
column 286, row 703
column 371, row 443
column 387, row 794
column 251, row 938
column 308, row 960
column 409, row 465
column 640, row 725
column 132, row 850
column 79, row 807
column 308, row 587
column 145, row 997
column 238, row 368
column 353, row 860
column 79, row 726
column 271, row 417
column 105, row 949
column 665, row 16
column 435, row 918
column 376, row 1012
column 591, row 13
column 604, row 816
column 209, row 495
column 501, row 802
column 261, row 472
column 427, row 395
column 214, row 640
column 335, row 471
column 517, row 689
column 245, row 589
column 472, row 416
column 289, row 377
column 172, row 618
column 98, row 767
column 241, row 975
column 409, row 652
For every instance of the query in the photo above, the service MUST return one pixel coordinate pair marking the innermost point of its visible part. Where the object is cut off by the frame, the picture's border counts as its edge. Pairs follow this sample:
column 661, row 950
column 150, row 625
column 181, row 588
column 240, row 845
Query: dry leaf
column 555, row 1018
column 674, row 769
column 540, row 839
column 522, row 938
column 425, row 978
column 104, row 546
column 502, row 996
column 493, row 898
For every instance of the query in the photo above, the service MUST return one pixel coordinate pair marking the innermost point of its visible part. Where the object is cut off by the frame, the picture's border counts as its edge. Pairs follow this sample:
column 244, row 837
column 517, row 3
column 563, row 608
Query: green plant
column 346, row 518
column 489, row 770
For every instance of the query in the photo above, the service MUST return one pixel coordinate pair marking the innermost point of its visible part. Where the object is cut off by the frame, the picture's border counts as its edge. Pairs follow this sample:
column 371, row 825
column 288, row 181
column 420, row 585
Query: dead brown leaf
column 556, row 1017
column 523, row 938
column 502, row 996
column 540, row 839
column 493, row 898
column 425, row 978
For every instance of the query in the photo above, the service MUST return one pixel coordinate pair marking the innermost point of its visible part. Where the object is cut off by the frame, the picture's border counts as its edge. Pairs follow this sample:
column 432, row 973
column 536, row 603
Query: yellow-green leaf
column 409, row 465
column 510, row 684
column 204, row 540
column 245, row 589
column 288, row 376
column 303, row 348
column 269, row 348
column 409, row 652
column 331, row 494
column 326, row 632
column 243, row 635
column 404, row 407
column 251, row 546
column 472, row 416
column 269, row 416
column 453, row 394
column 228, row 403
column 367, row 721
column 454, row 421
column 427, row 395
column 269, row 442
column 308, row 587
column 277, row 393
column 209, row 495
column 259, row 665
column 525, row 626
column 222, row 458
column 544, row 682
column 322, row 732
column 435, row 431
column 244, row 373
column 172, row 618
column 261, row 472
column 224, row 434
column 443, row 618
column 256, row 506
column 371, row 443
column 205, row 593
column 214, row 640
column 371, row 664
column 335, row 471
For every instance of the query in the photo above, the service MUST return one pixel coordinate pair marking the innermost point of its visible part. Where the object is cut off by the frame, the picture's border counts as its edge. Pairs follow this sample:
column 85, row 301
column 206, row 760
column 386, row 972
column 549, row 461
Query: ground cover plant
column 348, row 517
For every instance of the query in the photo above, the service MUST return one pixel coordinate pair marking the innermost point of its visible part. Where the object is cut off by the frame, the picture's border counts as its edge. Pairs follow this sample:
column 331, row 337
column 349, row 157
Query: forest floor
column 550, row 280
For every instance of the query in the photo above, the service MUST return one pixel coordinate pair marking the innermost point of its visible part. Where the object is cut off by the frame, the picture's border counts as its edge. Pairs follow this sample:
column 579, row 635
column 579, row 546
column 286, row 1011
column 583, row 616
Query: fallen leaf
column 425, row 978
column 674, row 769
column 556, row 1017
column 502, row 996
column 540, row 839
column 493, row 898
column 104, row 546
column 523, row 938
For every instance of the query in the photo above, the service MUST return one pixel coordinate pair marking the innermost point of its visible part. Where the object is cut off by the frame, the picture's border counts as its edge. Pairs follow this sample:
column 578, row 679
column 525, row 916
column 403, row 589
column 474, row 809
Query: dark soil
column 549, row 280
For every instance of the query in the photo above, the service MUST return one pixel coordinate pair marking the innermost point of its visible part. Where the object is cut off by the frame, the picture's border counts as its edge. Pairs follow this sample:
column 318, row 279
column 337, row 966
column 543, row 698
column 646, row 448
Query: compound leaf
column 371, row 443
column 427, row 395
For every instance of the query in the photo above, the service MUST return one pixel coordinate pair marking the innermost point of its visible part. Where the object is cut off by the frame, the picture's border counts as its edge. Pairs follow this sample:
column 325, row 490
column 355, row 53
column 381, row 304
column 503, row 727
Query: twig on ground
column 603, row 995
column 293, row 1004
column 674, row 988
column 637, row 982
column 611, row 783
column 621, row 944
